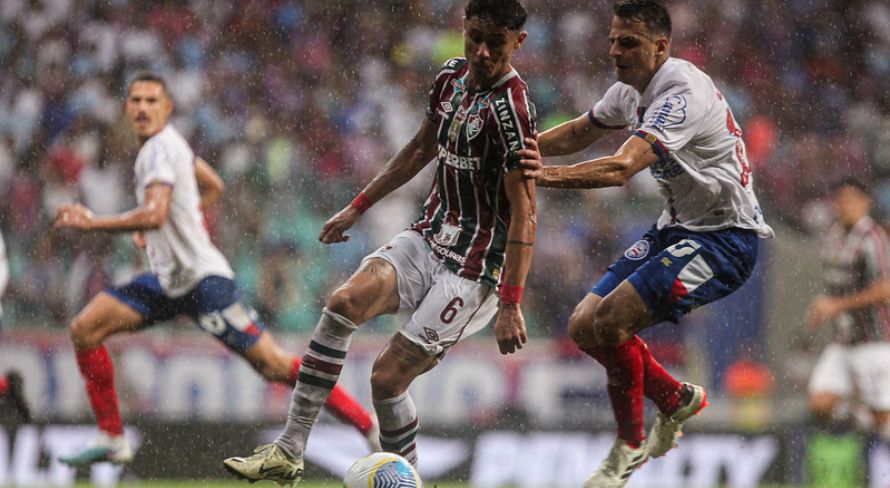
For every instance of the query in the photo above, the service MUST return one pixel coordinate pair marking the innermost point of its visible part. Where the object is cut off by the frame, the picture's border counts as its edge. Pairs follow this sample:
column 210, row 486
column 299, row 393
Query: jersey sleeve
column 515, row 119
column 440, row 86
column 874, row 257
column 672, row 121
column 610, row 111
column 156, row 166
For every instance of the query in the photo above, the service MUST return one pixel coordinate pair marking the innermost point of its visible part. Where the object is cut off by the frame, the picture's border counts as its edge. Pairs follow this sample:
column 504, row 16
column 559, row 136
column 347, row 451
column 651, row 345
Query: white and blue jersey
column 704, row 173
column 180, row 252
column 188, row 273
column 704, row 245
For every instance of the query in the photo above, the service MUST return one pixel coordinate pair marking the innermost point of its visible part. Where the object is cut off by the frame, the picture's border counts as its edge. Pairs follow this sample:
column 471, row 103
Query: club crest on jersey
column 638, row 251
column 448, row 235
column 474, row 126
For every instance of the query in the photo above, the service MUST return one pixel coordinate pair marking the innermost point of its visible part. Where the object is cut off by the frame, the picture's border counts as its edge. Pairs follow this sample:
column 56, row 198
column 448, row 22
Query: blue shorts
column 214, row 304
column 676, row 270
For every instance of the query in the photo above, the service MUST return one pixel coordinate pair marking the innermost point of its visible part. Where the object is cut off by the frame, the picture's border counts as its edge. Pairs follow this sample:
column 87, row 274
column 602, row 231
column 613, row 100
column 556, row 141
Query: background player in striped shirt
column 704, row 245
column 461, row 263
column 188, row 274
column 856, row 365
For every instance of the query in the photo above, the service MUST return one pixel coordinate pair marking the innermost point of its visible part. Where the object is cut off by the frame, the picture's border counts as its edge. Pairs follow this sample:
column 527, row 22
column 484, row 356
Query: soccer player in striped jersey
column 854, row 367
column 704, row 245
column 188, row 275
column 461, row 263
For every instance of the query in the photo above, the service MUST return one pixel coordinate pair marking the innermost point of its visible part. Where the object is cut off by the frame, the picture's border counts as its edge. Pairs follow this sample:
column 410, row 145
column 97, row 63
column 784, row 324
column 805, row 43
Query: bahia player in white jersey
column 703, row 246
column 180, row 252
column 188, row 275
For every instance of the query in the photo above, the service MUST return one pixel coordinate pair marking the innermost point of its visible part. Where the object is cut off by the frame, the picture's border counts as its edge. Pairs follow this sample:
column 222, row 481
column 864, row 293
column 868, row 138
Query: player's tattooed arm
column 516, row 242
column 416, row 154
column 412, row 158
column 509, row 327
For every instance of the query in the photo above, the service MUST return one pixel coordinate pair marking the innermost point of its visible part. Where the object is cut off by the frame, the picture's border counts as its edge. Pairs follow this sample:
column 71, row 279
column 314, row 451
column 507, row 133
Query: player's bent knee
column 609, row 330
column 581, row 331
column 343, row 302
column 85, row 334
column 385, row 383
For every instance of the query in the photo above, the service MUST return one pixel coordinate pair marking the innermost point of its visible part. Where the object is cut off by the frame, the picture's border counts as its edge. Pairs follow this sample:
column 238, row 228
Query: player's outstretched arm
column 570, row 137
column 412, row 158
column 634, row 155
column 566, row 138
column 210, row 184
column 825, row 307
column 509, row 327
column 151, row 215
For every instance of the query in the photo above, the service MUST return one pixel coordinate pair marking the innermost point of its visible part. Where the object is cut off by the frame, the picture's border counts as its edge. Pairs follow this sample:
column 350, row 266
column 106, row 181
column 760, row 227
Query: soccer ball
column 382, row 470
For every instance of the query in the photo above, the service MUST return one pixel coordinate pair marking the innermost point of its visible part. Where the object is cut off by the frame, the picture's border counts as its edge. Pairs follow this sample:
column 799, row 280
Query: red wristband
column 511, row 294
column 361, row 203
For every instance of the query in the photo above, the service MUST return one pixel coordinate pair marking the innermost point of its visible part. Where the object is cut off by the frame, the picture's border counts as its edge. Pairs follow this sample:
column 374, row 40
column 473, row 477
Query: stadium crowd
column 287, row 100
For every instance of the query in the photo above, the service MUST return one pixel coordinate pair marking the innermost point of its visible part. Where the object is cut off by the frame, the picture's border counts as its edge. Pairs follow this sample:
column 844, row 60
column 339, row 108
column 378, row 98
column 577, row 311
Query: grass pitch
column 243, row 484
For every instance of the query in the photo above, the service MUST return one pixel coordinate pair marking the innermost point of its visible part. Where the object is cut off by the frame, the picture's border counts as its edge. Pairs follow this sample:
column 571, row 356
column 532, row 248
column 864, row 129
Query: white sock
column 398, row 426
column 319, row 371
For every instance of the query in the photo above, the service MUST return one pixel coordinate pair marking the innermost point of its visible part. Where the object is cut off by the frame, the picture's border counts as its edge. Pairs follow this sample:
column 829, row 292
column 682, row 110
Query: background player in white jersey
column 704, row 245
column 188, row 274
column 11, row 387
column 855, row 366
column 461, row 263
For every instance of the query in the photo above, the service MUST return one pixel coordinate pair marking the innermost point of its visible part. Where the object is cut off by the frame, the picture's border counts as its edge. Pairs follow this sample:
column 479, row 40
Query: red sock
column 98, row 373
column 341, row 404
column 659, row 386
column 4, row 385
column 624, row 367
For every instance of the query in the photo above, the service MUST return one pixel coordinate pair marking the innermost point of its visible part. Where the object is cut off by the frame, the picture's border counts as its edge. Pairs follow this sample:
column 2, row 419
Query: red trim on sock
column 4, row 385
column 294, row 371
column 624, row 367
column 658, row 385
column 98, row 374
column 348, row 409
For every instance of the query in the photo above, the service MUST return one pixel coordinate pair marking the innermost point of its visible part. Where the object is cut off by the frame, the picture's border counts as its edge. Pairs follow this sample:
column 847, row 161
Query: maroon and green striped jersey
column 467, row 215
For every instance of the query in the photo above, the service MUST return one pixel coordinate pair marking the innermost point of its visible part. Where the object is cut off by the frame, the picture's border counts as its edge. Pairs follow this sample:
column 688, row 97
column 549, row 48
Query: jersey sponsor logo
column 474, row 126
column 459, row 162
column 638, row 251
column 448, row 253
column 447, row 107
column 508, row 125
column 672, row 112
column 666, row 169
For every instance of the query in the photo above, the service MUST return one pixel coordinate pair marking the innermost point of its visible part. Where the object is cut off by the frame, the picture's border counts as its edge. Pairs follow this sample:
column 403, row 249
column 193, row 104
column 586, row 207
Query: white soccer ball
column 382, row 470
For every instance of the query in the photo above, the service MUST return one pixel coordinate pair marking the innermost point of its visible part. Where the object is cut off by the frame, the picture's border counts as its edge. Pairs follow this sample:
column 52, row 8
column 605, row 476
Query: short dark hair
column 650, row 12
column 851, row 182
column 148, row 76
column 504, row 13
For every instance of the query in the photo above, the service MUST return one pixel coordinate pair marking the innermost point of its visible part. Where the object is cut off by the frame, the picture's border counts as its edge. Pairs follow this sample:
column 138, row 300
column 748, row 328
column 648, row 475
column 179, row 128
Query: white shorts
column 446, row 307
column 861, row 371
